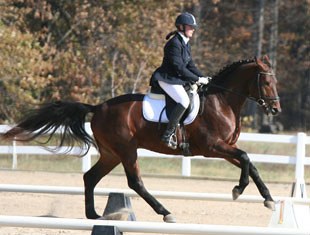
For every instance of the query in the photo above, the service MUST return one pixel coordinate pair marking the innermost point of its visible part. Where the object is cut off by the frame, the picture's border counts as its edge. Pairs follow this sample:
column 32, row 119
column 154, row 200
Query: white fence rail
column 300, row 160
column 145, row 227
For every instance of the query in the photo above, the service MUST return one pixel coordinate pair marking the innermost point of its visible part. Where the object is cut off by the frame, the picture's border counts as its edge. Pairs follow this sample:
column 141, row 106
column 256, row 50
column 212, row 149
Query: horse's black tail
column 68, row 117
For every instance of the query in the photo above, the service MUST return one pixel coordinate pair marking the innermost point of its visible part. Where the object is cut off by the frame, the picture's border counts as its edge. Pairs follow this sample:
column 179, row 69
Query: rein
column 261, row 100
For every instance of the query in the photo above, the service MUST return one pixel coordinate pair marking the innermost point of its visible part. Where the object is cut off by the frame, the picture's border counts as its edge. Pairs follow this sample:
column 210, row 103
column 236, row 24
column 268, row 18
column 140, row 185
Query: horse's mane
column 221, row 75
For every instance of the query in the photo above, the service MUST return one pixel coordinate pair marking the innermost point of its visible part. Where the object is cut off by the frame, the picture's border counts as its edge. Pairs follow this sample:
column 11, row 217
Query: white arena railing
column 299, row 160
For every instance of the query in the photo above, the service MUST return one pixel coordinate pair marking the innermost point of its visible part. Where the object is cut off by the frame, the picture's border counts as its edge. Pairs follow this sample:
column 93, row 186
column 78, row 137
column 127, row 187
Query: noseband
column 262, row 98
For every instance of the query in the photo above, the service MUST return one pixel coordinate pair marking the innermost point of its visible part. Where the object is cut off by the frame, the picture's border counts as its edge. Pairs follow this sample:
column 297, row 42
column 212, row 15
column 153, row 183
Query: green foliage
column 90, row 51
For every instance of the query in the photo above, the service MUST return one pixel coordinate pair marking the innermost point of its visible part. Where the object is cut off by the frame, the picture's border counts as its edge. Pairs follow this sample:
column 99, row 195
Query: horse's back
column 125, row 99
column 118, row 113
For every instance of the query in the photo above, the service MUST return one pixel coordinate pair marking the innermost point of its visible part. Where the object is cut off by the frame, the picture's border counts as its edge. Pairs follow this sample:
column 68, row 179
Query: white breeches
column 176, row 92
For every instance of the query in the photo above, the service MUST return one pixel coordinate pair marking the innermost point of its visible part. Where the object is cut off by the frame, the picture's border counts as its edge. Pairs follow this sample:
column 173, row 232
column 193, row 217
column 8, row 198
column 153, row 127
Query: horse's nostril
column 274, row 111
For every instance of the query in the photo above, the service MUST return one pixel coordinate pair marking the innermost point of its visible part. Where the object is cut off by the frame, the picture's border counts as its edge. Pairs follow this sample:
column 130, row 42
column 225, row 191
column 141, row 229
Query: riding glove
column 204, row 80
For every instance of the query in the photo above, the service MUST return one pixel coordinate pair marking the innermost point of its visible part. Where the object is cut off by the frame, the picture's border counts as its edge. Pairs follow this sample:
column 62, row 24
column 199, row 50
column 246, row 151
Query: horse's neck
column 230, row 102
column 236, row 88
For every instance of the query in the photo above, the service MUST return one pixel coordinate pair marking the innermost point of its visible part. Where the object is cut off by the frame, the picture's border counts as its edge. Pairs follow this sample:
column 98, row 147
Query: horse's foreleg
column 262, row 188
column 244, row 177
column 234, row 153
column 91, row 178
column 135, row 182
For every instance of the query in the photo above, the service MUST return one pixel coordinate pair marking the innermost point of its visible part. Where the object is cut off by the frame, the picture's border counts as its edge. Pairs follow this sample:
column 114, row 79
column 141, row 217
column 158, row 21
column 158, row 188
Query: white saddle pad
column 152, row 107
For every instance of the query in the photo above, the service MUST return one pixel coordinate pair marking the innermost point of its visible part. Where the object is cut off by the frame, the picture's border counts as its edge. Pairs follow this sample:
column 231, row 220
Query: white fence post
column 14, row 152
column 299, row 186
column 186, row 166
column 86, row 160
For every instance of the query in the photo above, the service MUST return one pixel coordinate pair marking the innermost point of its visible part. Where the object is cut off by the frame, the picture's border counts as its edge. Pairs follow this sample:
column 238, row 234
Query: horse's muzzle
column 274, row 108
column 275, row 111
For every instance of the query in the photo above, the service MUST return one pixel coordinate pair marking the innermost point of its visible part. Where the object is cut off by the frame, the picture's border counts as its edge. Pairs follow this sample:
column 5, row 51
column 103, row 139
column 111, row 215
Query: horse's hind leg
column 103, row 166
column 135, row 182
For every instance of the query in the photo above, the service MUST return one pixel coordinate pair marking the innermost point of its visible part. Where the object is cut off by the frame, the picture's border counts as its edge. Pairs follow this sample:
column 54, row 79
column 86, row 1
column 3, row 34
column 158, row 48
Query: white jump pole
column 131, row 193
column 144, row 227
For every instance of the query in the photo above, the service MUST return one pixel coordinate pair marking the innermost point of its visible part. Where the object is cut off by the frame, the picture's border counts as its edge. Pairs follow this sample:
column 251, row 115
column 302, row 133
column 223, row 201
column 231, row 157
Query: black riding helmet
column 183, row 19
column 186, row 19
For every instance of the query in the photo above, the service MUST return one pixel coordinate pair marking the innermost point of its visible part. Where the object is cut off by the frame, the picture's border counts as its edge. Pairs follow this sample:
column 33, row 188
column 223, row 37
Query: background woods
column 90, row 51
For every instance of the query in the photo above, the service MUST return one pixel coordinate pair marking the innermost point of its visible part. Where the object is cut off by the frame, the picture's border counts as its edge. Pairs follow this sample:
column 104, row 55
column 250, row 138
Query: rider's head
column 186, row 23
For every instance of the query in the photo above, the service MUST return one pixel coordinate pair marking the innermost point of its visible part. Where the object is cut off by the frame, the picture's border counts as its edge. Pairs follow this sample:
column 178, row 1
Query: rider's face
column 189, row 31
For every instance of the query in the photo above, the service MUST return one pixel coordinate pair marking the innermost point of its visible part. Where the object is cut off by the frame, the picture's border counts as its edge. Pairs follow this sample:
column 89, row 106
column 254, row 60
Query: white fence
column 300, row 160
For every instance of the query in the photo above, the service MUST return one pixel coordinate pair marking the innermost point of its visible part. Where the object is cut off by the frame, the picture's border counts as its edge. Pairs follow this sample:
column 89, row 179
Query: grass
column 172, row 167
column 153, row 166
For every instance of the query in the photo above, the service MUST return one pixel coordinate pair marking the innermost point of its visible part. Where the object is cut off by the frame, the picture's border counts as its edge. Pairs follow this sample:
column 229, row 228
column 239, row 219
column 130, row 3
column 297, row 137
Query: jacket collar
column 184, row 39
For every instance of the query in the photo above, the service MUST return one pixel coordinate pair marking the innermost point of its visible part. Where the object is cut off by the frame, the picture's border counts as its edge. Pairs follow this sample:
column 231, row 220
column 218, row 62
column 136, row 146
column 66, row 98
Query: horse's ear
column 260, row 63
column 267, row 60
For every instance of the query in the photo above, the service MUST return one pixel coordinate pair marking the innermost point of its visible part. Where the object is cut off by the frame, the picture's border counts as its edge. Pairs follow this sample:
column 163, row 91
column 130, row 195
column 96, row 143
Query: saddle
column 157, row 106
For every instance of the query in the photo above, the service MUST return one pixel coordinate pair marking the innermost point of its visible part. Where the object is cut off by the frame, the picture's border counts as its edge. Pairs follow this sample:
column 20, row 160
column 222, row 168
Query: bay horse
column 119, row 129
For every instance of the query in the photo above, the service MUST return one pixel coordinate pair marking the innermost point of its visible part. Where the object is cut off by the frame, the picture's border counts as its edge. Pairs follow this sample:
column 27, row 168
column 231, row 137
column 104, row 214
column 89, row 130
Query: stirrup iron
column 172, row 141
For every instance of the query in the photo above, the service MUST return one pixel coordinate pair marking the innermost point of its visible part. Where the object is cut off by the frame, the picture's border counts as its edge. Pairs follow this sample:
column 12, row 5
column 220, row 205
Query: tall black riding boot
column 168, row 137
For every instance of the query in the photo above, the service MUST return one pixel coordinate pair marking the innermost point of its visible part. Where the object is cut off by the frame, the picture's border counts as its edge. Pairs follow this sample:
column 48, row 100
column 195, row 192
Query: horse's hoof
column 235, row 193
column 93, row 216
column 270, row 205
column 169, row 219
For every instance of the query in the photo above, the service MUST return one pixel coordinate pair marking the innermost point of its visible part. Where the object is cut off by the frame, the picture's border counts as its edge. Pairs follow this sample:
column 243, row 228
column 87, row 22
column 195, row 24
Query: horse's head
column 264, row 90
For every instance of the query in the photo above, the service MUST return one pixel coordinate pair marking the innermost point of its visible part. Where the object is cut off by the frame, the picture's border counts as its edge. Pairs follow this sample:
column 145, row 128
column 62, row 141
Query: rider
column 178, row 69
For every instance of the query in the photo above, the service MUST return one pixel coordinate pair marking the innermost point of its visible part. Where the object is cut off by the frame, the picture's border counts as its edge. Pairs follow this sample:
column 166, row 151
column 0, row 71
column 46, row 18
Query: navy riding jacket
column 177, row 66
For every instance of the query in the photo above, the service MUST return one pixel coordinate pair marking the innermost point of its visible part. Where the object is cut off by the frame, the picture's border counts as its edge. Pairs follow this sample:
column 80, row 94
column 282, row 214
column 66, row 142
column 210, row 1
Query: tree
column 90, row 51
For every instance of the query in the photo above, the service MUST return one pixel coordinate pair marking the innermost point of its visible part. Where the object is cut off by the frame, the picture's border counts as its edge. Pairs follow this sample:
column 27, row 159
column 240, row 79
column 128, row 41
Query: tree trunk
column 274, row 34
column 260, row 28
column 258, row 117
column 113, row 74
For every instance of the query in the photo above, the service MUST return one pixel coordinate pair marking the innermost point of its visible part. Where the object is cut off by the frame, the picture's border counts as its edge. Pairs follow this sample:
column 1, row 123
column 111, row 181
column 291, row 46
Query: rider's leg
column 179, row 95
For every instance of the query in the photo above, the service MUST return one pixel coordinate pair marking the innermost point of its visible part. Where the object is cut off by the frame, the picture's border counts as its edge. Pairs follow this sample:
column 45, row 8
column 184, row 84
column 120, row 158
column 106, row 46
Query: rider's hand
column 204, row 80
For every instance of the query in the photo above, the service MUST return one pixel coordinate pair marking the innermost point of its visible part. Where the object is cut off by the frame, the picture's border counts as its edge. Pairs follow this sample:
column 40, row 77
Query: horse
column 119, row 129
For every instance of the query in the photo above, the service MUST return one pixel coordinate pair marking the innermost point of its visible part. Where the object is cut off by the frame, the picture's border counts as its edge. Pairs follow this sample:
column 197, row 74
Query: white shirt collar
column 185, row 39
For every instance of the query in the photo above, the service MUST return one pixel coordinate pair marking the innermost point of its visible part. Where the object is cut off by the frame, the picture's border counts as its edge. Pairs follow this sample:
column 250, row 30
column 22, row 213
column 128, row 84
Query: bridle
column 261, row 100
